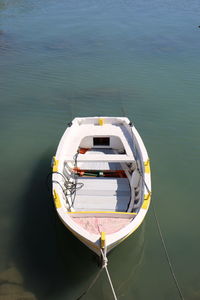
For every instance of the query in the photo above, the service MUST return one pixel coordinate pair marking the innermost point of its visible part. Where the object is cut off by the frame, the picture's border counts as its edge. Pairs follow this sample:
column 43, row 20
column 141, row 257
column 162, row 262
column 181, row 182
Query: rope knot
column 105, row 262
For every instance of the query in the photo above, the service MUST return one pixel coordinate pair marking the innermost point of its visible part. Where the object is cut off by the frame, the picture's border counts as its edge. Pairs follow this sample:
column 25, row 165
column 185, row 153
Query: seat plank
column 101, row 158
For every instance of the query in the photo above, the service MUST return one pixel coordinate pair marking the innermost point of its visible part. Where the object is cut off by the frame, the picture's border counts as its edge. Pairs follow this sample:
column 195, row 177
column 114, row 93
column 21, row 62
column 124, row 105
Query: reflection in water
column 11, row 286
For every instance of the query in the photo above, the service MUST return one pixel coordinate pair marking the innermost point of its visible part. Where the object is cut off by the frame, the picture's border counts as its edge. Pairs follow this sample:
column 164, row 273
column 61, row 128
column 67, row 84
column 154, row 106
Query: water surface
column 62, row 59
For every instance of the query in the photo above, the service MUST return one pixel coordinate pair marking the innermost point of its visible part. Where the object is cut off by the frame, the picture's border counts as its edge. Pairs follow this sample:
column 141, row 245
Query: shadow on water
column 52, row 262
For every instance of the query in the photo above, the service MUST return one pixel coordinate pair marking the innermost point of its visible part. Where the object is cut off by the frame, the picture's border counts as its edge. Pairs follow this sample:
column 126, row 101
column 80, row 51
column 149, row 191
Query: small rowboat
column 101, row 180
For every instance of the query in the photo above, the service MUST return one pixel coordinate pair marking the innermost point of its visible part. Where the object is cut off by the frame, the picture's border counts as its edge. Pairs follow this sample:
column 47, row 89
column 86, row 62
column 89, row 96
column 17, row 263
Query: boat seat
column 121, row 158
column 99, row 165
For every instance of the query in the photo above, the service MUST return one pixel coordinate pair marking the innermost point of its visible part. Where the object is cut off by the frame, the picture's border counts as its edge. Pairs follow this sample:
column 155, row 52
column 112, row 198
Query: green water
column 61, row 59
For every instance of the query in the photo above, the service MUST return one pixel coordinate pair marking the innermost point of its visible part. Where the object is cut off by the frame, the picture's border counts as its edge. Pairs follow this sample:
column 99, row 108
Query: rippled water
column 61, row 59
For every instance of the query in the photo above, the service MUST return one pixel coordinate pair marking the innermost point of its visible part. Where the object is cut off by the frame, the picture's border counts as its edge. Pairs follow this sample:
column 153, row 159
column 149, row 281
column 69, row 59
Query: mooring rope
column 104, row 266
column 163, row 243
column 105, row 261
column 160, row 231
column 91, row 285
column 167, row 254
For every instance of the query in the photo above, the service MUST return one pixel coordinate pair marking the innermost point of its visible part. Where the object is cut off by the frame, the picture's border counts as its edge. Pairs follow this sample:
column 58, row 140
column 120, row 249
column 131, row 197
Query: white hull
column 101, row 181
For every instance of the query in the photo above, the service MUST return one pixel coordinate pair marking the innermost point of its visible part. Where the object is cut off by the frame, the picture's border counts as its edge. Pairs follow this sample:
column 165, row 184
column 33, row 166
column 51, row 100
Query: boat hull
column 136, row 157
column 96, row 246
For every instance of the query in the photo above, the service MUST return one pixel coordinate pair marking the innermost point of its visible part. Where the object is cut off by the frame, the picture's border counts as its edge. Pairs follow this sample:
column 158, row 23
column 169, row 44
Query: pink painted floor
column 97, row 225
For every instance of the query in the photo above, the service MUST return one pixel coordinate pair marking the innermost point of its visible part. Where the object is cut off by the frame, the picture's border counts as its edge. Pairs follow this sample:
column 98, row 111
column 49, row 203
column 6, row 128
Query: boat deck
column 97, row 225
column 102, row 194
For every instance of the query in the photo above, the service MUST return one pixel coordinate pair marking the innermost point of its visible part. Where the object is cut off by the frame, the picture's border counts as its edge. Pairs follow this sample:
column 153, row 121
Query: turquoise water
column 61, row 59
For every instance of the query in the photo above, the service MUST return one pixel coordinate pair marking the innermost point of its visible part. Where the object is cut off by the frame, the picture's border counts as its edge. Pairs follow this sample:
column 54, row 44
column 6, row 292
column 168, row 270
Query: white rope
column 111, row 285
column 105, row 260
column 104, row 266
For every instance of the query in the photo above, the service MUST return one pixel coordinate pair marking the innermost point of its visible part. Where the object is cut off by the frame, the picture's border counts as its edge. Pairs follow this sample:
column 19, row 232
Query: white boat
column 101, row 180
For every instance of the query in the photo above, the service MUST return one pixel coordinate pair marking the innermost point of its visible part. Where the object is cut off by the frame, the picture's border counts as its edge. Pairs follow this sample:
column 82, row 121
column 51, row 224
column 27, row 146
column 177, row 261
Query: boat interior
column 107, row 185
